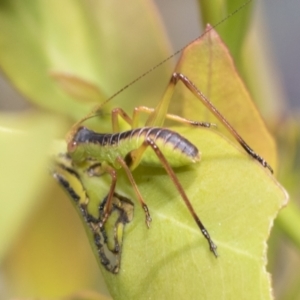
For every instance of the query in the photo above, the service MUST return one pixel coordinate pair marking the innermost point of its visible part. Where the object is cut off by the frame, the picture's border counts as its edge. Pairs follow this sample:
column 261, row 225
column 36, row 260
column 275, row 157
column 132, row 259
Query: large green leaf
column 208, row 64
column 236, row 199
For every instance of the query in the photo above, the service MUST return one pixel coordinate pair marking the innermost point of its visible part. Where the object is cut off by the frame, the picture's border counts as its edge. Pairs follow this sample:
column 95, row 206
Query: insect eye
column 72, row 146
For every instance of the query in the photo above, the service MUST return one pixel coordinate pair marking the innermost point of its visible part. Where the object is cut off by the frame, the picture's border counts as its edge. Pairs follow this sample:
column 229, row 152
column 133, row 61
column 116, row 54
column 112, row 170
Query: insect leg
column 115, row 122
column 134, row 121
column 158, row 115
column 213, row 109
column 97, row 170
column 124, row 165
column 136, row 155
column 176, row 118
column 108, row 240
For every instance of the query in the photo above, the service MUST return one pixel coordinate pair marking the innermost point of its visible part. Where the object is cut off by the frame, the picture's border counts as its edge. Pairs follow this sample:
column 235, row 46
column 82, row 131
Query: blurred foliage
column 44, row 247
column 234, row 32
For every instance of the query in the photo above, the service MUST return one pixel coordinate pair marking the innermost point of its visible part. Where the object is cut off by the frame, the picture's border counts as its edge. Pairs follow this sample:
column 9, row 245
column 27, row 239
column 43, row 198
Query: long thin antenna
column 175, row 53
column 96, row 109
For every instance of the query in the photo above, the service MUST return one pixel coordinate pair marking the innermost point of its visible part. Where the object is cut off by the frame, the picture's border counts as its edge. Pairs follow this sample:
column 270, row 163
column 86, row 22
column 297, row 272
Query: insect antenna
column 90, row 115
column 172, row 55
column 97, row 109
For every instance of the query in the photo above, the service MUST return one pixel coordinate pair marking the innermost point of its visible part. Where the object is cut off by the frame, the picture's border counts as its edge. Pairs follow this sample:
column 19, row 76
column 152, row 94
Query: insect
column 152, row 144
column 108, row 242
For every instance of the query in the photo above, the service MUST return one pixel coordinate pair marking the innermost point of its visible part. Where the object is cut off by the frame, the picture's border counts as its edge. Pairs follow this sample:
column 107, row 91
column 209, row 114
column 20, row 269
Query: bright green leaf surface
column 237, row 201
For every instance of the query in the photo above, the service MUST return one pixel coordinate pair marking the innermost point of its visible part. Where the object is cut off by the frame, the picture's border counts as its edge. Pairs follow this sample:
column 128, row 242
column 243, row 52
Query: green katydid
column 149, row 145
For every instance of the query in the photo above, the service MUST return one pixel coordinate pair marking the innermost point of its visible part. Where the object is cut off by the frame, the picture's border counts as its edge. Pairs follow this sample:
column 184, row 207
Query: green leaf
column 236, row 199
column 89, row 42
column 208, row 64
column 25, row 140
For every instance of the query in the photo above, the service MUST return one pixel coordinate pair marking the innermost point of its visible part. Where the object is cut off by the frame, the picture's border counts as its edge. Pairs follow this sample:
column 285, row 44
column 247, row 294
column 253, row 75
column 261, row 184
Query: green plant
column 89, row 42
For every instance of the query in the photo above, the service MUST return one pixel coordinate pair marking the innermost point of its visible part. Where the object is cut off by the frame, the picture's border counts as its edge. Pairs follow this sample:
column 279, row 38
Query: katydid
column 151, row 145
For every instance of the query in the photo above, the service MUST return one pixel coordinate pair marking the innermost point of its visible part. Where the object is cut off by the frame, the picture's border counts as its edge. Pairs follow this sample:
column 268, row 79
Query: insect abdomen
column 176, row 149
column 106, row 147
